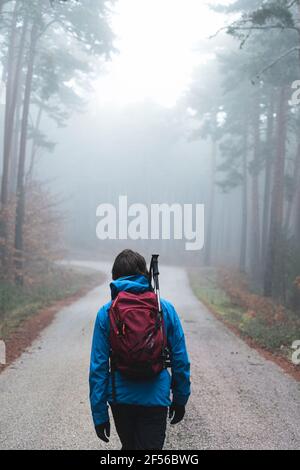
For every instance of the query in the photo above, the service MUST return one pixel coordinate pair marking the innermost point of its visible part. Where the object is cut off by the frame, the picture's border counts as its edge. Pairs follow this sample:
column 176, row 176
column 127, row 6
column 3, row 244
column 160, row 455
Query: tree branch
column 294, row 2
column 282, row 56
column 235, row 26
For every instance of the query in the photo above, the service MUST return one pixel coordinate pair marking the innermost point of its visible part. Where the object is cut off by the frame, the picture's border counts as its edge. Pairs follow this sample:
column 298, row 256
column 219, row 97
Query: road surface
column 239, row 399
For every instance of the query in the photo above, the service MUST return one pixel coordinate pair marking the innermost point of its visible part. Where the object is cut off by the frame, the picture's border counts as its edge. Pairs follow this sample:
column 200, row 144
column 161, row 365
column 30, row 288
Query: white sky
column 157, row 40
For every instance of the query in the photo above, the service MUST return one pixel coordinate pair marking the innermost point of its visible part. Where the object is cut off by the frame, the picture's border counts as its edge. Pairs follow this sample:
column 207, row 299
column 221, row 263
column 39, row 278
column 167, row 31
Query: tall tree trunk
column 268, row 178
column 14, row 71
column 34, row 147
column 297, row 227
column 16, row 145
column 13, row 90
column 15, row 93
column 296, row 292
column 273, row 282
column 20, row 208
column 210, row 212
column 8, row 128
column 2, row 2
column 297, row 203
column 244, row 231
column 7, row 122
column 228, row 233
column 255, row 211
column 292, row 199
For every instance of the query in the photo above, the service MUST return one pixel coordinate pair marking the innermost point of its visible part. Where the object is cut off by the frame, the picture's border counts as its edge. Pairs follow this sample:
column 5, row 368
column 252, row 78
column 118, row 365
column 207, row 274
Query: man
column 139, row 407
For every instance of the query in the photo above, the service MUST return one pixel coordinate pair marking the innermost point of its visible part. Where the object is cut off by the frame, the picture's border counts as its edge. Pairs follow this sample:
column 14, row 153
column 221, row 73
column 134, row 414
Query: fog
column 171, row 102
column 134, row 135
column 167, row 128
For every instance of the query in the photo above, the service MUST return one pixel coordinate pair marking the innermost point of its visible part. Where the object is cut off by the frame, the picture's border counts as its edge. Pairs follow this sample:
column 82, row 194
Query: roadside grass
column 269, row 329
column 18, row 303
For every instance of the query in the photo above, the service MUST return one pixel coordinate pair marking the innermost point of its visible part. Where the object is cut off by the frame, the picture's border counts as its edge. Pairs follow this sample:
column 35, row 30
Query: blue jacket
column 155, row 392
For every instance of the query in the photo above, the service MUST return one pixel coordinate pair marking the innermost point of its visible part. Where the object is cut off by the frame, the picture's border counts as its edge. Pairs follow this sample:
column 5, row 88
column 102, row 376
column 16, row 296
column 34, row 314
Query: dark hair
column 128, row 263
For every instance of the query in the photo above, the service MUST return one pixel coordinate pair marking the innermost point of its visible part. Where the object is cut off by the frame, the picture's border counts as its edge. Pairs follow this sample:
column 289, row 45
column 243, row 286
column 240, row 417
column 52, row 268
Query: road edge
column 29, row 330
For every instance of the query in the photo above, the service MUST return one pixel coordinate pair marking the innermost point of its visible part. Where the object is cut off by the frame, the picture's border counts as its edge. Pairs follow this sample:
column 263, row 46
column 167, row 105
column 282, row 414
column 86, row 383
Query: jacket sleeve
column 99, row 371
column 180, row 364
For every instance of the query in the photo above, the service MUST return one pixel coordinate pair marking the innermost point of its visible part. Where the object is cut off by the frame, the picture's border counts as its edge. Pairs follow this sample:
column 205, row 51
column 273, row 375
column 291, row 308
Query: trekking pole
column 155, row 273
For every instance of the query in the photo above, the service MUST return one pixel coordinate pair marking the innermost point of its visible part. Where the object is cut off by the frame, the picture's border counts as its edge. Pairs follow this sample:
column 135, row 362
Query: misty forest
column 97, row 102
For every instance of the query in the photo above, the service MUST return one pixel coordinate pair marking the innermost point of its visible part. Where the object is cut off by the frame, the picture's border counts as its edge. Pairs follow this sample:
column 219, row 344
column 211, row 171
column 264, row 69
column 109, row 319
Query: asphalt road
column 239, row 399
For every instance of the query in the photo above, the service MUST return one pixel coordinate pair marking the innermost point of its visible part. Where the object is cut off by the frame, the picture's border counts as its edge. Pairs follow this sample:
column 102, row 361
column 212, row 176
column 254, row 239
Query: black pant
column 140, row 427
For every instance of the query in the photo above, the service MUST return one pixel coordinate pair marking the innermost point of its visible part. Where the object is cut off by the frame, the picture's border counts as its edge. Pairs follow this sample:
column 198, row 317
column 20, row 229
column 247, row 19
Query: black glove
column 103, row 431
column 176, row 413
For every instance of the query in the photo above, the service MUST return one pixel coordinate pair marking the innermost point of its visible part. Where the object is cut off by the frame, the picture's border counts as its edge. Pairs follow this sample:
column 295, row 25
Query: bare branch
column 282, row 56
column 241, row 25
column 294, row 2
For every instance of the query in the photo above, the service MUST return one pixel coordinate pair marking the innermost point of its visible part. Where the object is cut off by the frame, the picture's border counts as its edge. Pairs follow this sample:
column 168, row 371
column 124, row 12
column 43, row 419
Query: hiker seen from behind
column 139, row 364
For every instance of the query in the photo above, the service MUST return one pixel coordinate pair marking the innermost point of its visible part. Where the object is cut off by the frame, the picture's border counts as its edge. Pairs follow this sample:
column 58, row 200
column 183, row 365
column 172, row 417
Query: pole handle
column 154, row 265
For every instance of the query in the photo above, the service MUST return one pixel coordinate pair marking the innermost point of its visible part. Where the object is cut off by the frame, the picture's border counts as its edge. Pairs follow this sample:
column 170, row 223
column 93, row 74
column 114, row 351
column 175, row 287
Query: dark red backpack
column 137, row 336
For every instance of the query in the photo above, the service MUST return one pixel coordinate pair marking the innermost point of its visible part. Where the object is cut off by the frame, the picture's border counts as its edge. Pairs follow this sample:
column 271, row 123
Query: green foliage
column 19, row 302
column 272, row 337
column 270, row 15
column 291, row 256
column 237, row 6
column 231, row 151
column 276, row 12
column 276, row 335
column 40, row 140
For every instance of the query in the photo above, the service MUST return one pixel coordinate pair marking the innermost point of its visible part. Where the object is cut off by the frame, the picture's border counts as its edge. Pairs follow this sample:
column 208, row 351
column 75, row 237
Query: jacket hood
column 135, row 284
